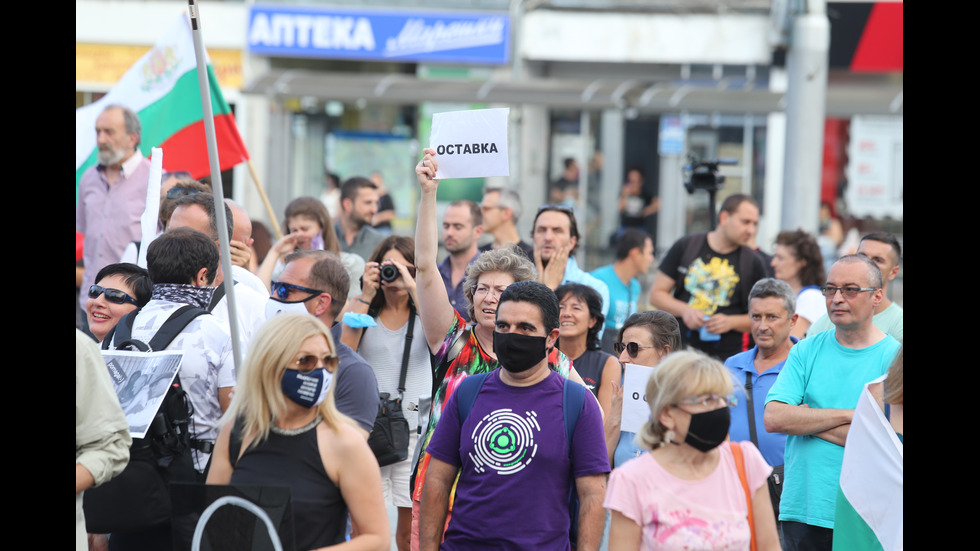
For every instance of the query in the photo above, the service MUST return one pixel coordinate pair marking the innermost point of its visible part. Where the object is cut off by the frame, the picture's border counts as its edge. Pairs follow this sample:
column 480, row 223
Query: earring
column 668, row 438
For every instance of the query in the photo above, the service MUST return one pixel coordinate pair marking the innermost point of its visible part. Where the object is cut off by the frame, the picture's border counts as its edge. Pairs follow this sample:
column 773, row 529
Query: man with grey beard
column 111, row 194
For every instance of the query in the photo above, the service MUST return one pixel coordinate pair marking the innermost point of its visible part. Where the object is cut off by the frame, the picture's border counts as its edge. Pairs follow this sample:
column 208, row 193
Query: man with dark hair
column 555, row 240
column 565, row 189
column 197, row 211
column 358, row 205
column 111, row 194
column 772, row 307
column 501, row 207
column 316, row 283
column 813, row 399
column 705, row 280
column 462, row 226
column 505, row 435
column 884, row 250
column 634, row 255
column 182, row 263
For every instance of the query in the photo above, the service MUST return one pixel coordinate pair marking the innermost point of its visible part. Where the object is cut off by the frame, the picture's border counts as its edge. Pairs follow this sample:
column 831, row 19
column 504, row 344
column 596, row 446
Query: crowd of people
column 507, row 363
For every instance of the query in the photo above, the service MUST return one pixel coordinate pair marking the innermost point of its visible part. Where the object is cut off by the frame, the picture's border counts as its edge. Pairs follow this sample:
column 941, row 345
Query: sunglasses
column 114, row 296
column 631, row 348
column 309, row 362
column 282, row 290
column 177, row 192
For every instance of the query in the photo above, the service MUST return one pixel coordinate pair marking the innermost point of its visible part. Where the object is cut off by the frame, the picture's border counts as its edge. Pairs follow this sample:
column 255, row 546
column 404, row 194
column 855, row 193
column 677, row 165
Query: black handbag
column 775, row 479
column 389, row 437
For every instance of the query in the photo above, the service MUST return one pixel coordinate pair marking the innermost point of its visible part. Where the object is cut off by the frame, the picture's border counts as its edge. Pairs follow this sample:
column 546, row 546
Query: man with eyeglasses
column 556, row 237
column 501, row 207
column 705, row 280
column 813, row 399
column 111, row 194
column 884, row 250
column 309, row 283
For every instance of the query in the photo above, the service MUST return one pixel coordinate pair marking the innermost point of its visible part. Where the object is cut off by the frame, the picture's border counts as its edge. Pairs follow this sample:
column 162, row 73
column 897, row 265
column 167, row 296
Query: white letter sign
column 471, row 144
column 636, row 411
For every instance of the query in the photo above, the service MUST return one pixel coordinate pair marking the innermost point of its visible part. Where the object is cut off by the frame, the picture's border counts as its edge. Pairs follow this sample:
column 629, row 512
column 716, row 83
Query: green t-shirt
column 822, row 373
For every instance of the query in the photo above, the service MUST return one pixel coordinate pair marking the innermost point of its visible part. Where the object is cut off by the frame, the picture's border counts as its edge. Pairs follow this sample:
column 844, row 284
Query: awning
column 862, row 96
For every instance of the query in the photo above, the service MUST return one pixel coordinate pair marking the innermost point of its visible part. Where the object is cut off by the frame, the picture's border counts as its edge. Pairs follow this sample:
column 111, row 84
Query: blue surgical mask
column 306, row 389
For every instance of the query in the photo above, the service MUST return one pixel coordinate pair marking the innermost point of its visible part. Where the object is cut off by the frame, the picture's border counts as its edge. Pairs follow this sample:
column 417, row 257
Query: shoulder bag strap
column 740, row 465
column 750, row 408
column 406, row 352
column 466, row 394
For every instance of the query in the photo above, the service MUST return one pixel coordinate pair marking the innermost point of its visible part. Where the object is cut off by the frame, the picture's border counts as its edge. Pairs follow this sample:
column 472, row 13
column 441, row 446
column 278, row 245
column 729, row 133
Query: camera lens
column 389, row 273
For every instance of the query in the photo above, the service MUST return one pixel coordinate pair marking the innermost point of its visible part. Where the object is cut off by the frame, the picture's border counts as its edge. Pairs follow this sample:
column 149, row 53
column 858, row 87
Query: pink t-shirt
column 673, row 513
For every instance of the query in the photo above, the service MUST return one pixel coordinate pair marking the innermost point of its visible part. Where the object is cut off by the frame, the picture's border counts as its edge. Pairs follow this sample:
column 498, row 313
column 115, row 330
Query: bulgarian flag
column 870, row 513
column 162, row 88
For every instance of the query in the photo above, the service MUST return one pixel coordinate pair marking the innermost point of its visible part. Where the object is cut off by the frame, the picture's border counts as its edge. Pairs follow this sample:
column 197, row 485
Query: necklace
column 300, row 430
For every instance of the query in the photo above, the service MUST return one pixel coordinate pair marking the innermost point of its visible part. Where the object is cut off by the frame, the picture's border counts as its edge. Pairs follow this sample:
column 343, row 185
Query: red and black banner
column 866, row 37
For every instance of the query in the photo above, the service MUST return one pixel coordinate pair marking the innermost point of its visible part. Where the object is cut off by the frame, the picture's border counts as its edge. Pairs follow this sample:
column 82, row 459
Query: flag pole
column 219, row 193
column 265, row 200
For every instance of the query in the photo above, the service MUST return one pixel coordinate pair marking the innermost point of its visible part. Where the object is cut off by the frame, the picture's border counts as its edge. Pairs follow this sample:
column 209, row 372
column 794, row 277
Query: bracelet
column 364, row 301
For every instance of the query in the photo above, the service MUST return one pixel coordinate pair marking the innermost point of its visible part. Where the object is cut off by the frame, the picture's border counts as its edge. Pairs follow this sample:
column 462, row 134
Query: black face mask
column 517, row 352
column 708, row 429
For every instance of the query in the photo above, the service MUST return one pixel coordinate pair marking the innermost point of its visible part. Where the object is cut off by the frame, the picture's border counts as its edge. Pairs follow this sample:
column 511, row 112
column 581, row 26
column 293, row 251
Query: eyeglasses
column 488, row 207
column 631, row 348
column 177, row 192
column 114, row 296
column 830, row 291
column 282, row 290
column 309, row 362
column 707, row 400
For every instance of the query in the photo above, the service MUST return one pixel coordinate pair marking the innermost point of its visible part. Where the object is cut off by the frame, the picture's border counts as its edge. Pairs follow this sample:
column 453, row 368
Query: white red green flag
column 162, row 88
column 870, row 511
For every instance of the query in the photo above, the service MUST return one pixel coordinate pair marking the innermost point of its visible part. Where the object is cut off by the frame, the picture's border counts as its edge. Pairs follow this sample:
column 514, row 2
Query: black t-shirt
column 713, row 284
column 385, row 203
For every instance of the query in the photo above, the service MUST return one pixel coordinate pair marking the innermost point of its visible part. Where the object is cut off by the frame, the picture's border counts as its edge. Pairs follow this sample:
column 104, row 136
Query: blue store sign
column 463, row 37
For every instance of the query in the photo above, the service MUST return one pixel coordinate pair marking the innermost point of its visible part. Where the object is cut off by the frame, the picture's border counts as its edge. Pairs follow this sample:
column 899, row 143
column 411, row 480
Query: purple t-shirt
column 515, row 466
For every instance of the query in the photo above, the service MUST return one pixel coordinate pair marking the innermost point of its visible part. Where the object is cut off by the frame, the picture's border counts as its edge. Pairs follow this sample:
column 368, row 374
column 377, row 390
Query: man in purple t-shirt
column 511, row 453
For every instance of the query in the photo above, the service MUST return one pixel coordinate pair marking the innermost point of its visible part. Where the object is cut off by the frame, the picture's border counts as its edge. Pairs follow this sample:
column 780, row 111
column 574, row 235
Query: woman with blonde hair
column 284, row 429
column 689, row 491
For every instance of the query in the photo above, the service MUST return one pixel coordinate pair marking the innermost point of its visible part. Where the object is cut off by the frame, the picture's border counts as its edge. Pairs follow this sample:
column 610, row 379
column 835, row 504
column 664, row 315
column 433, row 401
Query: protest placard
column 636, row 411
column 470, row 144
column 141, row 381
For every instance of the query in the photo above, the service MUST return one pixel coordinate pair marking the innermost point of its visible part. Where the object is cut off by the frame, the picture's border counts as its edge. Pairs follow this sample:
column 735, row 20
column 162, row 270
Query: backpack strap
column 219, row 293
column 572, row 401
column 123, row 331
column 235, row 440
column 466, row 394
column 694, row 246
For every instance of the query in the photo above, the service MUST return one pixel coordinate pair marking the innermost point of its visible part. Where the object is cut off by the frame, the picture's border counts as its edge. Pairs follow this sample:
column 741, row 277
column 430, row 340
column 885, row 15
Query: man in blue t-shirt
column 634, row 254
column 813, row 400
column 510, row 451
column 772, row 307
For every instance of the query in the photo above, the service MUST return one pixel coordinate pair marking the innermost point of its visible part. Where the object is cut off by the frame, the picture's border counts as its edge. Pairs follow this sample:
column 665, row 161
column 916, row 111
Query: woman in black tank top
column 580, row 319
column 284, row 430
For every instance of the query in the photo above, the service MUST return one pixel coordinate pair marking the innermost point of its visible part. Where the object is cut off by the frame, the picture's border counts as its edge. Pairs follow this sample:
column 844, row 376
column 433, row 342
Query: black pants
column 805, row 537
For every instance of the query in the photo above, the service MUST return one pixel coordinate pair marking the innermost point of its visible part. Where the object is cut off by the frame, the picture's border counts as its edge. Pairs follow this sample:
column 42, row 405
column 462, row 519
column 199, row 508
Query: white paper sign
column 636, row 411
column 470, row 144
column 141, row 381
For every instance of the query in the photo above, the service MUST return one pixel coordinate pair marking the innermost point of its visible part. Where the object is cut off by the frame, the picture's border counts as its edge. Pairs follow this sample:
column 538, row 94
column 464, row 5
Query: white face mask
column 275, row 306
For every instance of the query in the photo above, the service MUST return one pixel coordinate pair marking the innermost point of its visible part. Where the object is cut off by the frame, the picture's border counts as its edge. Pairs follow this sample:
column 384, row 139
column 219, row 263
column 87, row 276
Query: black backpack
column 139, row 498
